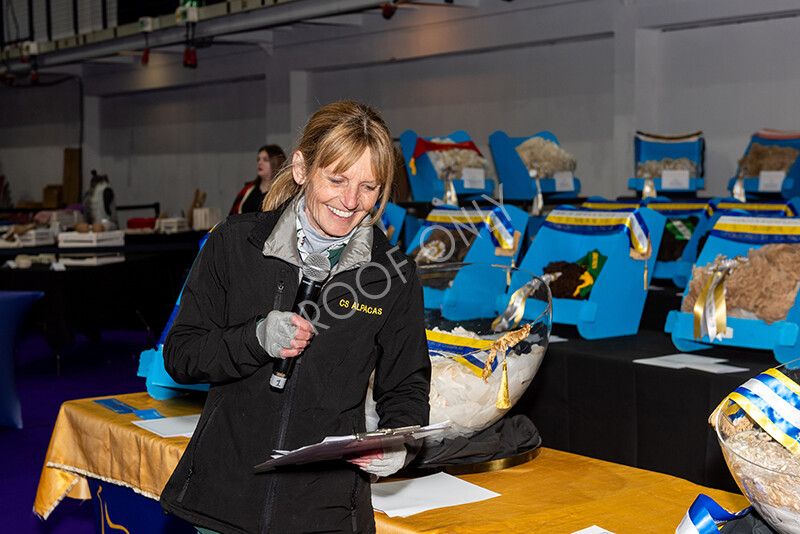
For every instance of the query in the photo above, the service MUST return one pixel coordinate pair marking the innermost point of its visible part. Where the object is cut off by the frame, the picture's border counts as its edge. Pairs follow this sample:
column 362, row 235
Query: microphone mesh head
column 317, row 267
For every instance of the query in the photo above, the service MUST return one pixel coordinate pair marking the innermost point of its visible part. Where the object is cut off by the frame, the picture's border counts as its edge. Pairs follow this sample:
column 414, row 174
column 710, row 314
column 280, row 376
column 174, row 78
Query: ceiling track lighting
column 388, row 9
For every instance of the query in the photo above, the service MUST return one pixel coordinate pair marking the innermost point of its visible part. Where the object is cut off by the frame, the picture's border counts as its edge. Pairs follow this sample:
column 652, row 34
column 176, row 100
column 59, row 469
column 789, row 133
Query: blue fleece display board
column 476, row 286
column 679, row 270
column 615, row 304
column 151, row 362
column 654, row 147
column 515, row 177
column 393, row 217
column 717, row 207
column 423, row 178
column 754, row 187
column 733, row 236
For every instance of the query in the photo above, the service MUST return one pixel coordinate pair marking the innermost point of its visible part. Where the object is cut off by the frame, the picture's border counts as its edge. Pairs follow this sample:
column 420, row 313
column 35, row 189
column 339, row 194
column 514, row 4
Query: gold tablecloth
column 556, row 493
column 91, row 440
column 561, row 493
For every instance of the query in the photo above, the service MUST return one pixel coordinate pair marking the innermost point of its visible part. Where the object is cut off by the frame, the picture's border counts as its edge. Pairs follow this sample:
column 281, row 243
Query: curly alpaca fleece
column 767, row 158
column 457, row 159
column 766, row 285
column 654, row 168
column 550, row 157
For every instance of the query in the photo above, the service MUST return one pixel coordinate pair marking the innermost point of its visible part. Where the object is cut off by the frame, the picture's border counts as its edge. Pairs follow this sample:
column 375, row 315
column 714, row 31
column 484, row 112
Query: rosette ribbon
column 772, row 400
column 704, row 516
column 768, row 209
column 496, row 221
column 710, row 312
column 681, row 208
column 609, row 205
column 605, row 222
column 462, row 349
column 757, row 230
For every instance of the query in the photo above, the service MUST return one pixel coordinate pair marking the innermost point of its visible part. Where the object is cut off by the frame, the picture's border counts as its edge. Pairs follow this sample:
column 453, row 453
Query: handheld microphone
column 315, row 269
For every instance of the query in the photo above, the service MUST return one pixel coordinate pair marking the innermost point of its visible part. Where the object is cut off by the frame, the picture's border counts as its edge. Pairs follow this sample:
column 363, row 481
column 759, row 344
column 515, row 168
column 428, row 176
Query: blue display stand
column 781, row 337
column 534, row 223
column 120, row 509
column 615, row 305
column 514, row 176
column 716, row 208
column 410, row 229
column 654, row 147
column 753, row 186
column 159, row 384
column 425, row 183
column 475, row 287
column 680, row 270
column 394, row 217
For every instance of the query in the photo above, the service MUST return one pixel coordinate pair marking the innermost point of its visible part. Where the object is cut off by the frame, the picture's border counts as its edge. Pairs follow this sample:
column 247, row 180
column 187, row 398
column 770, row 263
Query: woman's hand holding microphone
column 284, row 334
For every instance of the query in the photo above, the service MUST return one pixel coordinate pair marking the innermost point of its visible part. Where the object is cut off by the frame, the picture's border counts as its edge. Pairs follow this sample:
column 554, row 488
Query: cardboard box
column 71, row 181
column 52, row 196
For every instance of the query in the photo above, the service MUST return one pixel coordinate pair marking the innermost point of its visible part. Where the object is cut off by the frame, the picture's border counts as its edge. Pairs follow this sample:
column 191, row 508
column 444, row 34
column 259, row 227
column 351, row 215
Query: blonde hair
column 339, row 132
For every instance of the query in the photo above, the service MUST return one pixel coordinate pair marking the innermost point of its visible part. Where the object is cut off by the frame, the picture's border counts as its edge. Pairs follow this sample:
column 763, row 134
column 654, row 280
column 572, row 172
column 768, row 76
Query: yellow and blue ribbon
column 603, row 222
column 462, row 349
column 609, row 205
column 664, row 208
column 704, row 516
column 757, row 230
column 681, row 208
column 760, row 209
column 496, row 221
column 772, row 400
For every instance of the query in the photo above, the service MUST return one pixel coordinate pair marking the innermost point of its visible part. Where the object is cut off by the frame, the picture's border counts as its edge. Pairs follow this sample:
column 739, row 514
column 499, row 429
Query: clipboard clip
column 361, row 436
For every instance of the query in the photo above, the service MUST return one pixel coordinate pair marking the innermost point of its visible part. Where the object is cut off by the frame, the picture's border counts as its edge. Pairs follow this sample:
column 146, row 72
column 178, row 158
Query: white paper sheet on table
column 691, row 361
column 594, row 529
column 408, row 497
column 171, row 427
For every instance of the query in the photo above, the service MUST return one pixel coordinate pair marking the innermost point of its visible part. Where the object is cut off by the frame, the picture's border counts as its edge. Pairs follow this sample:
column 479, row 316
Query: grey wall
column 730, row 81
column 591, row 71
column 566, row 88
column 35, row 127
column 161, row 145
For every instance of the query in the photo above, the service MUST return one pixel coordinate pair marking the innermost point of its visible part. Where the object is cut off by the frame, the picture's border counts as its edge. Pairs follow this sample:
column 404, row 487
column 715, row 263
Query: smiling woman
column 336, row 202
column 235, row 321
column 342, row 142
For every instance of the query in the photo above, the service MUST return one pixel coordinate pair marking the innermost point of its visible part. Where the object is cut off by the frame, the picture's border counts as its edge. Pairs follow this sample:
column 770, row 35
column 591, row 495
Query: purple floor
column 88, row 369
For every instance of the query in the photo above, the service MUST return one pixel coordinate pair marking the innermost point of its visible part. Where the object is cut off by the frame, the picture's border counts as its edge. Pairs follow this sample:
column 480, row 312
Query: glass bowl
column 471, row 302
column 468, row 308
column 767, row 473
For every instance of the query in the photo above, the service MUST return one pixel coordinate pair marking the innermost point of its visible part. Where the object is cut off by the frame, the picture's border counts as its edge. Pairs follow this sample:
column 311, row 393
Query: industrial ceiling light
column 388, row 10
column 147, row 25
column 187, row 14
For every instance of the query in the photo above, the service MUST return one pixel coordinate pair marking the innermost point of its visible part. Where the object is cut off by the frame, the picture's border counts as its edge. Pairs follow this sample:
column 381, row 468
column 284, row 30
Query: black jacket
column 232, row 285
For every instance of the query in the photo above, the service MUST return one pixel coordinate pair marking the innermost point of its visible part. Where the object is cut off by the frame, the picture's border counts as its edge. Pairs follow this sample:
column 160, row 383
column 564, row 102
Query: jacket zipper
column 282, row 429
column 353, row 517
column 189, row 473
column 278, row 296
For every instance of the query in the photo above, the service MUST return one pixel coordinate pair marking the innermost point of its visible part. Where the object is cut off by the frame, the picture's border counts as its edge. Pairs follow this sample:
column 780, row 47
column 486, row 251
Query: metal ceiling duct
column 280, row 14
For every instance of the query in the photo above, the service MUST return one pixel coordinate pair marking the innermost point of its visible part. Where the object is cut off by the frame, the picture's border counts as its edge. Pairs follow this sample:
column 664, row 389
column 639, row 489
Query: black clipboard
column 334, row 447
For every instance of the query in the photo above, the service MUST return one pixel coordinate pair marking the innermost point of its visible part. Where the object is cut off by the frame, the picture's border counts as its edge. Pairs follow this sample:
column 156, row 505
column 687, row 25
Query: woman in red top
column 270, row 159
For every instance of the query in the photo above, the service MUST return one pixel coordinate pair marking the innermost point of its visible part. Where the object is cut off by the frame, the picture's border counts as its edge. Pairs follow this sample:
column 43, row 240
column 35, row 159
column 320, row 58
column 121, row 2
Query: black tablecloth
column 589, row 398
column 137, row 293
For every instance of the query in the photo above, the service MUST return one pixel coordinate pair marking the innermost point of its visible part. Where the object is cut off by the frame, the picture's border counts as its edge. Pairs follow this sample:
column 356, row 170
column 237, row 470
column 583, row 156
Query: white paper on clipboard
column 333, row 447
